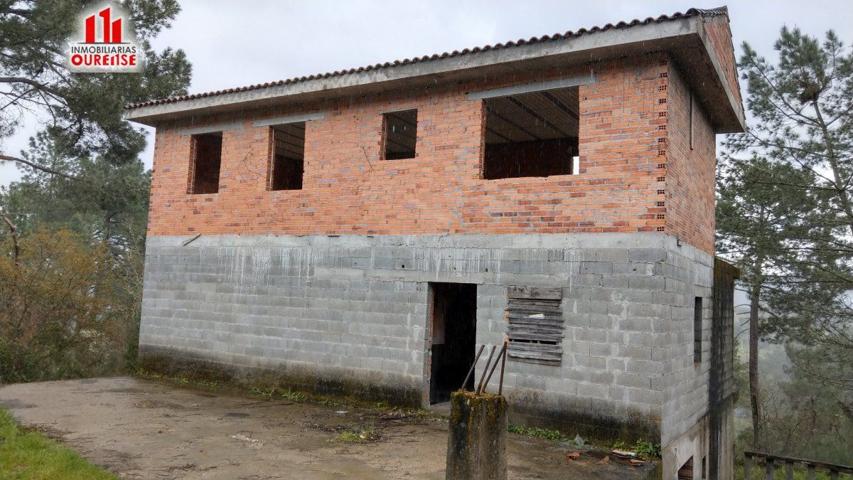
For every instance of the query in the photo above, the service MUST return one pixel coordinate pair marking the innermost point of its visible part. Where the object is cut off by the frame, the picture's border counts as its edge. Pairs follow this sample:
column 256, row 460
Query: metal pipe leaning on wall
column 489, row 369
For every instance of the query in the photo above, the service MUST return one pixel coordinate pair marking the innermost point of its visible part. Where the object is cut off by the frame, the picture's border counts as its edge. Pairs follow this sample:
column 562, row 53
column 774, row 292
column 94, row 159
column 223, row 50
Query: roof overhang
column 683, row 38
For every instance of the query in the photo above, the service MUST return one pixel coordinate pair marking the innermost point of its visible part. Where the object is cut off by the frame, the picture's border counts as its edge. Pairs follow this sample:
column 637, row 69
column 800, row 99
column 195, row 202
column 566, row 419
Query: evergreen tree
column 83, row 111
column 791, row 226
column 73, row 228
column 756, row 218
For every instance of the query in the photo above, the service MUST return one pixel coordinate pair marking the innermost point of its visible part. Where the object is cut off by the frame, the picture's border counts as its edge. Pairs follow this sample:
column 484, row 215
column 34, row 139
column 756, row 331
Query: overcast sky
column 238, row 43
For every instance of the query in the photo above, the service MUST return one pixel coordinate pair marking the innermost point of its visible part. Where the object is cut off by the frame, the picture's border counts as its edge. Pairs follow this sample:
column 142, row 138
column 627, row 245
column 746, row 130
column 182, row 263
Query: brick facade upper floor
column 625, row 142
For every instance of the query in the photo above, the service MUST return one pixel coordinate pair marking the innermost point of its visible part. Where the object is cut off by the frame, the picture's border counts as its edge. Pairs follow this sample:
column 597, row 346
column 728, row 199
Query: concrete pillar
column 476, row 447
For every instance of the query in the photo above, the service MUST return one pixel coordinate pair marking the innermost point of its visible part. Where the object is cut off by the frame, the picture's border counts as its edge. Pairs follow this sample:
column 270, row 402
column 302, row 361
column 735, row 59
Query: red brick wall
column 348, row 189
column 690, row 172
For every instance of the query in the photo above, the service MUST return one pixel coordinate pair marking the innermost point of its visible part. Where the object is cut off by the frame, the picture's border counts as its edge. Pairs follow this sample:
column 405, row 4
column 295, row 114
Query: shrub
column 62, row 314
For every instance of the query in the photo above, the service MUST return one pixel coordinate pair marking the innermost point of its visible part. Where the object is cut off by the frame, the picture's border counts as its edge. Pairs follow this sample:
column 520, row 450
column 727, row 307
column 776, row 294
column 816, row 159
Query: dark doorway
column 686, row 470
column 454, row 333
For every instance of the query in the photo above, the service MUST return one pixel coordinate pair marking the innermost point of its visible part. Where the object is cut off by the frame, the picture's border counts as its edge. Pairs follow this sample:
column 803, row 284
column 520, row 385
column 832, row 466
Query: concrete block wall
column 274, row 303
column 352, row 311
column 689, row 275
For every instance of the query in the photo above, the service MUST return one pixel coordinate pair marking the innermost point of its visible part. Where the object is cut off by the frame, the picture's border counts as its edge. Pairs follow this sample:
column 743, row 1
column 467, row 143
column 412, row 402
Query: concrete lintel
column 216, row 127
column 472, row 240
column 283, row 120
column 533, row 87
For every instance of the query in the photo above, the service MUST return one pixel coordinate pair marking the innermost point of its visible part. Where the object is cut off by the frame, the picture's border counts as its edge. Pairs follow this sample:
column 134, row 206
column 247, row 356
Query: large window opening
column 205, row 163
column 400, row 134
column 532, row 134
column 287, row 160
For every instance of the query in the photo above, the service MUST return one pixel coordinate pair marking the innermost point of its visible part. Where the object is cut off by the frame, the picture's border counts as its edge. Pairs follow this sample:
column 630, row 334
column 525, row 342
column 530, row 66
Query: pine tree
column 83, row 112
column 786, row 206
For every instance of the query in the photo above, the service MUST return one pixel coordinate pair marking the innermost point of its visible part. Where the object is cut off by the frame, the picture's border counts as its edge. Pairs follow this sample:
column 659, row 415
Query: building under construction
column 364, row 231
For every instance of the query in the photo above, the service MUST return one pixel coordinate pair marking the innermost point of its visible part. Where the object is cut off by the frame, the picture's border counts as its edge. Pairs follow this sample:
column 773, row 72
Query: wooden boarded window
column 535, row 324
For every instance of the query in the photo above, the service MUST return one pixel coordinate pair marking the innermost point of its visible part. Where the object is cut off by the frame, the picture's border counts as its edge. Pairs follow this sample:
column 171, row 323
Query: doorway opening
column 454, row 335
column 686, row 470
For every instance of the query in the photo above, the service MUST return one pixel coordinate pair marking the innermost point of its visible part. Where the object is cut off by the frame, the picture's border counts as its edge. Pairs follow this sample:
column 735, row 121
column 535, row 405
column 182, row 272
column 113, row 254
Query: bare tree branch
column 36, row 166
column 32, row 83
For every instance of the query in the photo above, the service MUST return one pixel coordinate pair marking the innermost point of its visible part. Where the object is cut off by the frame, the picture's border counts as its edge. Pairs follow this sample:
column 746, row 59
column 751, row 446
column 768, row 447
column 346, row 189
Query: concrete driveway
column 141, row 429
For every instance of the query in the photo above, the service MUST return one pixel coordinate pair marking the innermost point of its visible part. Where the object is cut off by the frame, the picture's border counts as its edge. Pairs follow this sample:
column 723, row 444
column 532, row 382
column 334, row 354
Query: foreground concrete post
column 476, row 447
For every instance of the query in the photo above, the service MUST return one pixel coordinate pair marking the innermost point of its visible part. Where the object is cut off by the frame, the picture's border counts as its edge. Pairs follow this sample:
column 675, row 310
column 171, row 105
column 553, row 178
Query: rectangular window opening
column 697, row 330
column 535, row 328
column 399, row 134
column 287, row 159
column 205, row 163
column 690, row 121
column 533, row 134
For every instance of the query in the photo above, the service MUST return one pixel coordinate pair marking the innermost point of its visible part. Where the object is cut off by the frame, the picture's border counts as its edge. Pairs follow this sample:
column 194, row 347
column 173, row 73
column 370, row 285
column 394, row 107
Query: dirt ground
column 142, row 429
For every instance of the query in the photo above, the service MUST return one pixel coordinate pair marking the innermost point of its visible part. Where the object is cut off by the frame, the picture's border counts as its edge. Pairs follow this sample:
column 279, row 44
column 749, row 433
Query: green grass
column 273, row 393
column 645, row 450
column 537, row 432
column 358, row 435
column 26, row 455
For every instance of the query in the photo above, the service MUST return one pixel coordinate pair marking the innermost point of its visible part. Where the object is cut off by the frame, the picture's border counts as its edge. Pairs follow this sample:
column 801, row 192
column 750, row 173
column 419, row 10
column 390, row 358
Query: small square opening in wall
column 206, row 153
column 399, row 134
column 532, row 134
column 287, row 156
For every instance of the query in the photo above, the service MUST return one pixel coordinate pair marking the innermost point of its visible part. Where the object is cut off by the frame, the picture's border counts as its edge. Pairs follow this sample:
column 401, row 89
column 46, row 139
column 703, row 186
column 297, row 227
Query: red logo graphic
column 105, row 43
column 112, row 31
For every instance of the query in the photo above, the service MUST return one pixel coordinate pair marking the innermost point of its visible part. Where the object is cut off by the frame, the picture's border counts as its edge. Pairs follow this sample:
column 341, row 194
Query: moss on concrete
column 175, row 363
column 477, row 439
column 597, row 428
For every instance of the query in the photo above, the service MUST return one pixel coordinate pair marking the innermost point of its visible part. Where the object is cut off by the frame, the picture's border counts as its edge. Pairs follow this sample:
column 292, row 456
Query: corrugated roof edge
column 426, row 58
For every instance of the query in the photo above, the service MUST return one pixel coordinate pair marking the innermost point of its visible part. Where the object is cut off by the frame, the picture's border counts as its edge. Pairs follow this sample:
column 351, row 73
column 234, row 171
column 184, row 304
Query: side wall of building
column 690, row 205
column 691, row 159
column 684, row 428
